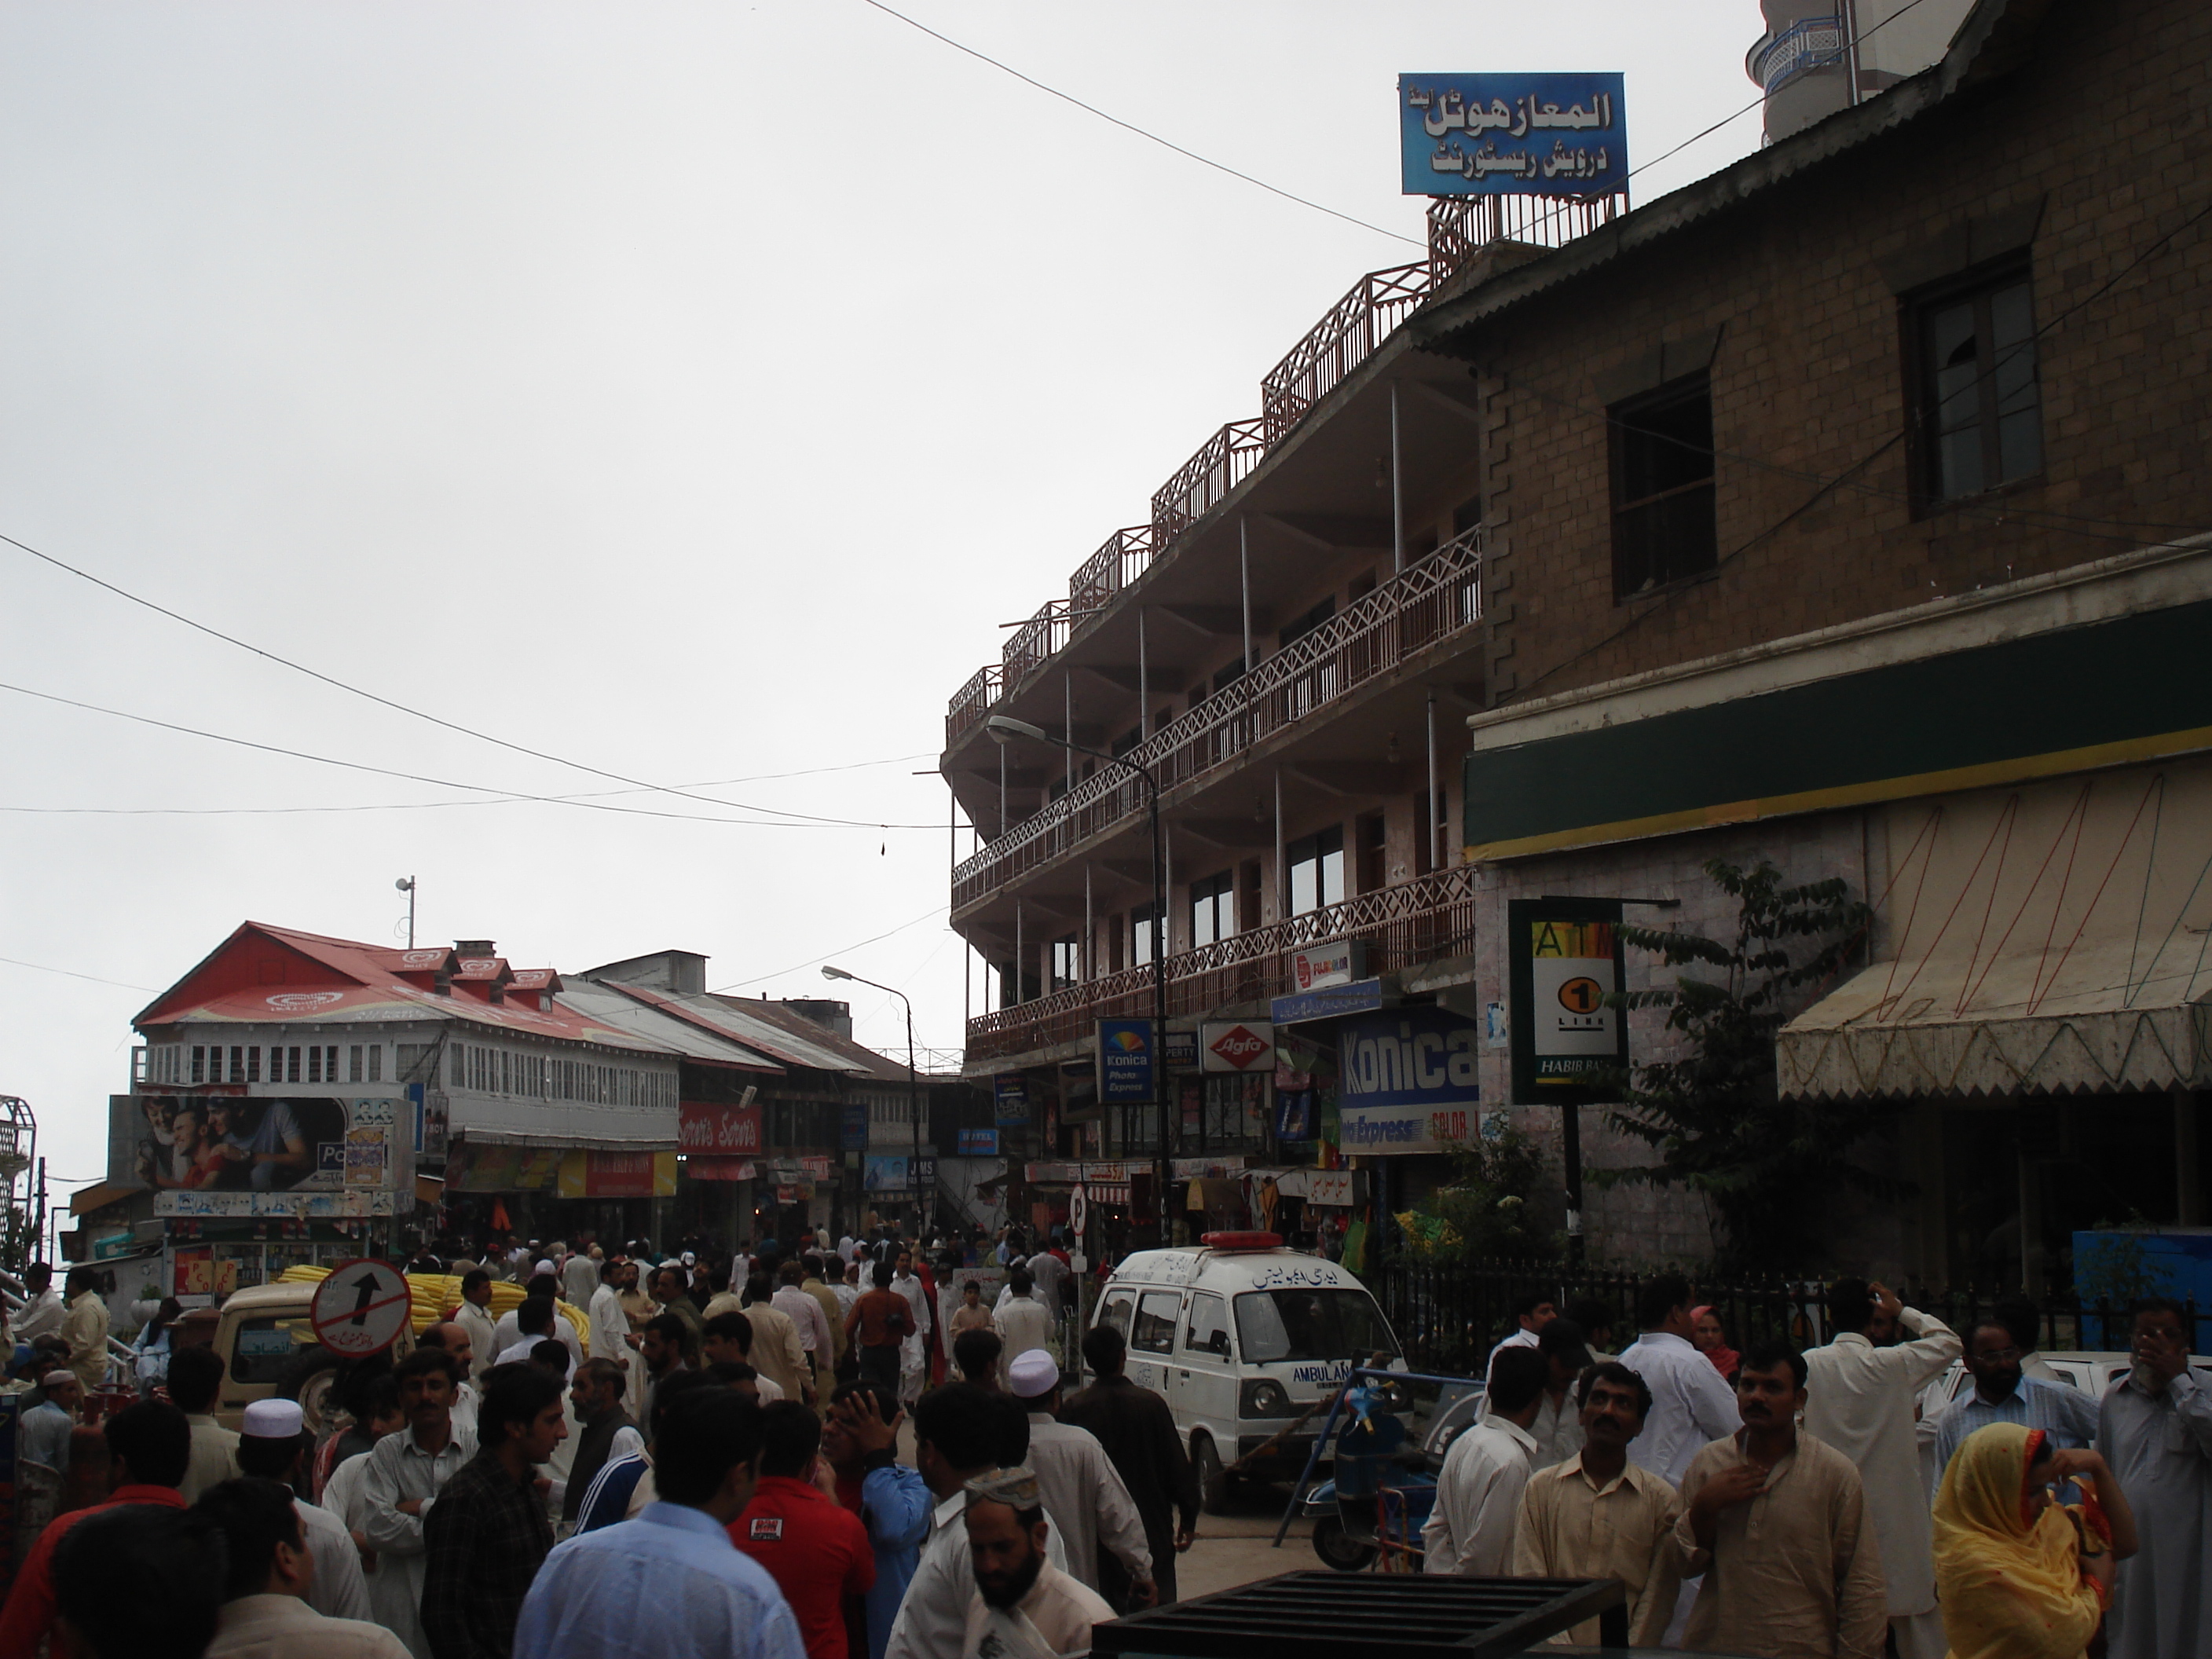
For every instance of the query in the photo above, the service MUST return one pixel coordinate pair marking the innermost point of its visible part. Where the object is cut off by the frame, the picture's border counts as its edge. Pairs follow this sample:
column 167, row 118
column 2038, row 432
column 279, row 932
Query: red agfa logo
column 1240, row 1045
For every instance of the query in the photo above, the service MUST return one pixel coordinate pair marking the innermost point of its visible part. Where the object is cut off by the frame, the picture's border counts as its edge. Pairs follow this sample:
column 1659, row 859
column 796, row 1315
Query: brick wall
column 1809, row 378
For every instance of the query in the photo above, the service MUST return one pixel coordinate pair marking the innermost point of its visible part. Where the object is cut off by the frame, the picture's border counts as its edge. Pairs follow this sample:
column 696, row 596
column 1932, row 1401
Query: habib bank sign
column 711, row 1129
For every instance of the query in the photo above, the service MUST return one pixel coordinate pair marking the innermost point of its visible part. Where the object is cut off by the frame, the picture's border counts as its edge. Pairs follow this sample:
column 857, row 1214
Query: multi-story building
column 1845, row 509
column 299, row 1098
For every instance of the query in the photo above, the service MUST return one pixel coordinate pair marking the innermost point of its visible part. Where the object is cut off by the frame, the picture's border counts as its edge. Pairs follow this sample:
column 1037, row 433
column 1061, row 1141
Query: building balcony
column 1431, row 600
column 1420, row 921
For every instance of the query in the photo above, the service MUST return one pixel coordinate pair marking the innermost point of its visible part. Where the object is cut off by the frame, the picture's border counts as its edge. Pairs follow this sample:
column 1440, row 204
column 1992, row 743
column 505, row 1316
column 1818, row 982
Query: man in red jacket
column 817, row 1550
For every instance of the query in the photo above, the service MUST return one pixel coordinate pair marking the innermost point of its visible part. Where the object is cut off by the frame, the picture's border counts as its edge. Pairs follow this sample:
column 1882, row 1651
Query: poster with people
column 229, row 1142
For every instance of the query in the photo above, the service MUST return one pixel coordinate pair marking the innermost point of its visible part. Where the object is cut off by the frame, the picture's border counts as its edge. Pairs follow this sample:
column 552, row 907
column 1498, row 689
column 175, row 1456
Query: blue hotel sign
column 1495, row 134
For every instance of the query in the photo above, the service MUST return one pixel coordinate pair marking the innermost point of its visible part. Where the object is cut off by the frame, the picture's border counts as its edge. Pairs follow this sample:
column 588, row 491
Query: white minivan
column 1241, row 1336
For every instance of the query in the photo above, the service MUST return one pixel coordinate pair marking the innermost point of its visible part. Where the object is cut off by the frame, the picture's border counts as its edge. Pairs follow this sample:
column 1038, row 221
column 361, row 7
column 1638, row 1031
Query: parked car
column 1248, row 1342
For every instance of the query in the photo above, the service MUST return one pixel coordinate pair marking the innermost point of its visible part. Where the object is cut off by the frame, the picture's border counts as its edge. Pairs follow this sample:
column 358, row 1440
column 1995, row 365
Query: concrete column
column 1244, row 587
column 1397, row 492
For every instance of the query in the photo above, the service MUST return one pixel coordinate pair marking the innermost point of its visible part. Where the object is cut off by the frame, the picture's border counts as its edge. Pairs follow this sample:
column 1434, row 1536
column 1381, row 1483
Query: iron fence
column 1448, row 1317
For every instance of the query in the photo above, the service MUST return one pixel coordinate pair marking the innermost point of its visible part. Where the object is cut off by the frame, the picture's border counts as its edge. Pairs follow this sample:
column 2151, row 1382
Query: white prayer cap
column 271, row 1419
column 542, row 1267
column 1033, row 1373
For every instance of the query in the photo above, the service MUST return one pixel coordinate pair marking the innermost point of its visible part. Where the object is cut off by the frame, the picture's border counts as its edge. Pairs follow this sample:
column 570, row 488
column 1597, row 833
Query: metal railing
column 1415, row 921
column 1203, row 483
column 1118, row 562
column 1460, row 226
column 1338, row 343
column 1810, row 43
column 972, row 701
column 1433, row 599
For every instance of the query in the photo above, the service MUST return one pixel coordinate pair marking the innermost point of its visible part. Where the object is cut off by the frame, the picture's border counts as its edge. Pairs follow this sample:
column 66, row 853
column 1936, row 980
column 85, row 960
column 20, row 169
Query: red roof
column 261, row 973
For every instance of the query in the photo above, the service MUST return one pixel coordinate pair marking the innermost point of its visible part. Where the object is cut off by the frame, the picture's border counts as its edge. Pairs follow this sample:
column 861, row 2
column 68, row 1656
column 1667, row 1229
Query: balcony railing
column 1459, row 228
column 1431, row 600
column 1203, row 482
column 1338, row 343
column 1416, row 921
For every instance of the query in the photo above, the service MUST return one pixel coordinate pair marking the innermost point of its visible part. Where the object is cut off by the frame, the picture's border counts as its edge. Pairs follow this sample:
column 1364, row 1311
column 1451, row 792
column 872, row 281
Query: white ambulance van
column 1241, row 1336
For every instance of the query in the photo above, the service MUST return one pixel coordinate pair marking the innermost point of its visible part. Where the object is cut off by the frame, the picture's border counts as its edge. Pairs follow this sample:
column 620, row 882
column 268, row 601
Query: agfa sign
column 1237, row 1046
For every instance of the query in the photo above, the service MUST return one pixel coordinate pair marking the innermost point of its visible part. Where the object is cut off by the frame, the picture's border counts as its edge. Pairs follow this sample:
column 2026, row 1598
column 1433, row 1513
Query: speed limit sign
column 1078, row 1211
column 360, row 1309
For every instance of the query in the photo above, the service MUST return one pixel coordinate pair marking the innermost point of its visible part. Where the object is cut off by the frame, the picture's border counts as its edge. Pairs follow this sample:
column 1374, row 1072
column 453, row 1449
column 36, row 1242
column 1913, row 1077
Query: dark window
column 1662, row 487
column 1066, row 962
column 1155, row 1321
column 1129, row 741
column 1212, row 909
column 1229, row 675
column 1306, row 625
column 1248, row 900
column 1374, row 855
column 1362, row 585
column 1980, row 417
column 1317, row 870
column 1467, row 515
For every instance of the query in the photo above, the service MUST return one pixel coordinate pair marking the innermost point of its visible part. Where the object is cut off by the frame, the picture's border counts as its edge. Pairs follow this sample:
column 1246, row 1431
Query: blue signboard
column 979, row 1143
column 1010, row 1090
column 853, row 1130
column 1496, row 134
column 1408, row 1081
column 1360, row 997
column 1182, row 1051
column 1125, row 1060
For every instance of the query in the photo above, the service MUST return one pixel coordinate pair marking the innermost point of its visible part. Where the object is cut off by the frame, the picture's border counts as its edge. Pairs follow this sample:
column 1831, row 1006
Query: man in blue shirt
column 860, row 1442
column 670, row 1584
column 2002, row 1394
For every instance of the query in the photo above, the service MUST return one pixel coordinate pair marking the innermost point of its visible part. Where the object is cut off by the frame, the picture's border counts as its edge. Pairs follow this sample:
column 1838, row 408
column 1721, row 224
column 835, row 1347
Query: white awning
column 2050, row 940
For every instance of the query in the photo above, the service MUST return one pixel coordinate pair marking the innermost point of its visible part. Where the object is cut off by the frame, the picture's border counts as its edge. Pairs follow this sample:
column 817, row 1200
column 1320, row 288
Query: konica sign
column 1409, row 1081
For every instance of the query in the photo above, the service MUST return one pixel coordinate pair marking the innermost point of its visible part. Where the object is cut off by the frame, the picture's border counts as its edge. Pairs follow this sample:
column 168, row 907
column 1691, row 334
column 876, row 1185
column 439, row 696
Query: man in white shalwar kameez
column 1025, row 1607
column 1859, row 1396
column 2155, row 1430
column 913, row 1351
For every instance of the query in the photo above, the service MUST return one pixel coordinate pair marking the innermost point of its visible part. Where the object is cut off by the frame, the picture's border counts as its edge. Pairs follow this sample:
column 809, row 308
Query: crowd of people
column 698, row 1471
column 1778, row 1503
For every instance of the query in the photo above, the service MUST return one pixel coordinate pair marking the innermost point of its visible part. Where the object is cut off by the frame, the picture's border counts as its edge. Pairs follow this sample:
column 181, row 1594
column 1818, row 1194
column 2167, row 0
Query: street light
column 913, row 1090
column 1005, row 728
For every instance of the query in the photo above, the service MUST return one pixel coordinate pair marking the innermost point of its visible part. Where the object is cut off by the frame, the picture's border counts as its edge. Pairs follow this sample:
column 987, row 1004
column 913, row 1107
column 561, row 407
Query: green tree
column 1714, row 1116
column 1483, row 1212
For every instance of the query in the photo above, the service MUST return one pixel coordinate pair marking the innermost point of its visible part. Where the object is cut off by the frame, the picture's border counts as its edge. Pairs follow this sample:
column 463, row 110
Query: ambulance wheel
column 1337, row 1548
column 1213, row 1478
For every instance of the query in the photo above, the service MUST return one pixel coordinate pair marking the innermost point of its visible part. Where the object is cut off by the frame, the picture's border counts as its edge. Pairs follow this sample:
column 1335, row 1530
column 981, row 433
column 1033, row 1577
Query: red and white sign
column 1338, row 963
column 1078, row 1211
column 1236, row 1046
column 360, row 1309
column 710, row 1129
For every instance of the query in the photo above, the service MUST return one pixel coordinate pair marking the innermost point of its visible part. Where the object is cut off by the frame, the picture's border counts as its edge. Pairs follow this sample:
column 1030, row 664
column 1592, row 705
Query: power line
column 416, row 713
column 1141, row 132
column 839, row 951
column 450, row 783
column 428, row 806
column 67, row 973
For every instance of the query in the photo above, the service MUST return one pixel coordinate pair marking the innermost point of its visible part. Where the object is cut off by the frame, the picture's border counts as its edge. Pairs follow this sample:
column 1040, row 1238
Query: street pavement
column 1232, row 1549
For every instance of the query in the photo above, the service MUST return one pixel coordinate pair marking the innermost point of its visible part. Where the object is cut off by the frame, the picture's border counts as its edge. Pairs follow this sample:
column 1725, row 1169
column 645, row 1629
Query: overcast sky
column 687, row 391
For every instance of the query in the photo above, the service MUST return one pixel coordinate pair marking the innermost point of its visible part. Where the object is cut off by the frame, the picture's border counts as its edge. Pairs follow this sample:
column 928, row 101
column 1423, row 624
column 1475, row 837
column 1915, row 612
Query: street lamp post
column 914, row 1094
column 1004, row 728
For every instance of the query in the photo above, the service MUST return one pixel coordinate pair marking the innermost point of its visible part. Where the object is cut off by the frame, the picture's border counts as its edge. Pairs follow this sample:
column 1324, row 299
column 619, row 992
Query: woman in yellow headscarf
column 2020, row 1576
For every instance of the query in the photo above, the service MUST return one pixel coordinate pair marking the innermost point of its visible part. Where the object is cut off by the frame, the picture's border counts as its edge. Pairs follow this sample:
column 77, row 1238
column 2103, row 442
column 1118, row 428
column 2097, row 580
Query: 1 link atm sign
column 1569, row 1046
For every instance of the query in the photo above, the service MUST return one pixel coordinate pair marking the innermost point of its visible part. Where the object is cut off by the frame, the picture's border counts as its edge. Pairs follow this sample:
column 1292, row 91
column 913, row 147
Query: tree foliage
column 1714, row 1116
column 1483, row 1213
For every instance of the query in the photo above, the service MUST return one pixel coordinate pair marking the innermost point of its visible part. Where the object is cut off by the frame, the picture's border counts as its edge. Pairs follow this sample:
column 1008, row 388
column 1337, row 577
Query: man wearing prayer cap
column 1083, row 1491
column 271, row 1447
column 1025, row 1607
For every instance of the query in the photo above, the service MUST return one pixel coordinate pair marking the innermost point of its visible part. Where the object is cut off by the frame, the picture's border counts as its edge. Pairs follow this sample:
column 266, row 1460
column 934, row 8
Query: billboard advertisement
column 711, row 1128
column 1125, row 1060
column 225, row 1154
column 1408, row 1081
column 1498, row 135
column 1563, row 958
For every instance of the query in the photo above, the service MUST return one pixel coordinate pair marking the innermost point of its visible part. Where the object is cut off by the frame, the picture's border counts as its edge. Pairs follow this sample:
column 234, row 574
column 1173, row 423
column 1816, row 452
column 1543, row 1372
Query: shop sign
column 716, row 1128
column 1409, row 1081
column 617, row 1175
column 1125, row 1060
column 1512, row 134
column 1237, row 1046
column 718, row 1169
column 1010, row 1092
column 1180, row 1051
column 1564, row 960
column 1359, row 997
column 979, row 1143
column 1339, row 962
column 852, row 1128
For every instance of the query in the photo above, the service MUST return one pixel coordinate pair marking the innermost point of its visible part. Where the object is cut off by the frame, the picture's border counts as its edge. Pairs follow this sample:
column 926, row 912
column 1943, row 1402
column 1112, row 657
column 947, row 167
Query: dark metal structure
column 1328, row 1615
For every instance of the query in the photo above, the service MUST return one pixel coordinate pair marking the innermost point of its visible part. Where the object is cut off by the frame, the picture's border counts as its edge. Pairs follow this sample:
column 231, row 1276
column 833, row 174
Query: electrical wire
column 1141, row 132
column 427, row 805
column 842, row 949
column 418, row 714
column 67, row 973
column 451, row 783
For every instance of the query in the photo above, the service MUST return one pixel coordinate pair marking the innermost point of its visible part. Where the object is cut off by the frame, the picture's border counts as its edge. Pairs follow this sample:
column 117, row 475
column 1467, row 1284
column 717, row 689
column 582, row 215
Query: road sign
column 1078, row 1211
column 360, row 1309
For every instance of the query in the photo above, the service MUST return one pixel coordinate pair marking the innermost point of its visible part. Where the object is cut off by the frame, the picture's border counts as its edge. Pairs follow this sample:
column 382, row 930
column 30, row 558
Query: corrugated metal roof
column 687, row 1037
column 787, row 1018
column 730, row 1017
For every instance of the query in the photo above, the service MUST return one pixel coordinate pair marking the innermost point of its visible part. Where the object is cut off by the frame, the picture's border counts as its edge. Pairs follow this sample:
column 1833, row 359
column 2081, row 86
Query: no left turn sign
column 360, row 1309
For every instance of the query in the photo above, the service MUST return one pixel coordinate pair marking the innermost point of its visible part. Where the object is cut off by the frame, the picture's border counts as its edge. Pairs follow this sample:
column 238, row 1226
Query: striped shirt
column 2060, row 1410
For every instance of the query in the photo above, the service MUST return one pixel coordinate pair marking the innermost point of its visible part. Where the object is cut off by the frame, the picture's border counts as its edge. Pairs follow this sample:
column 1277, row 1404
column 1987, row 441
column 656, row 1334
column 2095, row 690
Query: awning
column 2050, row 940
